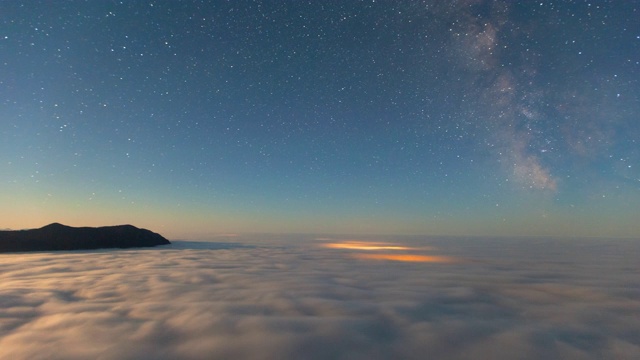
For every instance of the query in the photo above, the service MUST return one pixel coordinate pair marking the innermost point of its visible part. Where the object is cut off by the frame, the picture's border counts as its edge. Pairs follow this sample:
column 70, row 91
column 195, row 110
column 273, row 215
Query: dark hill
column 60, row 237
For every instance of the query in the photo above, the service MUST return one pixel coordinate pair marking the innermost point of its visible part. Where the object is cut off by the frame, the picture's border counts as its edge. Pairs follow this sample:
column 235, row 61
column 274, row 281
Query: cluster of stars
column 407, row 102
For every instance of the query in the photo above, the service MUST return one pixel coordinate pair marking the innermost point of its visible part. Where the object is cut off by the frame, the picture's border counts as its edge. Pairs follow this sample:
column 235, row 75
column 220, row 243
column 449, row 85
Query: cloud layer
column 277, row 298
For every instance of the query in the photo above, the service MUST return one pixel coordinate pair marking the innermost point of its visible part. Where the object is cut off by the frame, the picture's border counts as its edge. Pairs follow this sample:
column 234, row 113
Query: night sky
column 492, row 118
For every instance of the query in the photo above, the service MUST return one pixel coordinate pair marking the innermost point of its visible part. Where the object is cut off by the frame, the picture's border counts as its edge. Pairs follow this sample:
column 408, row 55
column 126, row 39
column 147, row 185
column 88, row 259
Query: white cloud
column 259, row 299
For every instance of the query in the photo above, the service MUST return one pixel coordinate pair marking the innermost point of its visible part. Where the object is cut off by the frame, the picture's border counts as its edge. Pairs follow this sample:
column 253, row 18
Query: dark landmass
column 60, row 237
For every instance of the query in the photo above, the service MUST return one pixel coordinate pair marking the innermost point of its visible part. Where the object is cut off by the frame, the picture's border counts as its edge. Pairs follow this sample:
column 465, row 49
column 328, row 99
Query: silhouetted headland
column 60, row 237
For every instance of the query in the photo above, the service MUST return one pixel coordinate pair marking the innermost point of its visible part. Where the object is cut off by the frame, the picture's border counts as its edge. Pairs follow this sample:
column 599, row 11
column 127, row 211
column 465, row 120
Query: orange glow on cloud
column 361, row 245
column 407, row 258
column 375, row 246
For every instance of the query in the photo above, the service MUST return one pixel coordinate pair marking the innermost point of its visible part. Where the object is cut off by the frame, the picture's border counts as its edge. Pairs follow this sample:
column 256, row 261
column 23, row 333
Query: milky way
column 418, row 117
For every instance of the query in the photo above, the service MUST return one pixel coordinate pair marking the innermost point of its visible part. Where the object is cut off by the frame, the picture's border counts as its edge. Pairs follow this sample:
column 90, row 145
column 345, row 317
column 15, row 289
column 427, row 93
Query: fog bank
column 292, row 298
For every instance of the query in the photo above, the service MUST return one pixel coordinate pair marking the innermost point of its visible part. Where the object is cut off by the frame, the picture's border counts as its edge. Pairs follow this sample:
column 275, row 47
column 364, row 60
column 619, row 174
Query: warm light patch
column 406, row 257
column 364, row 246
column 380, row 246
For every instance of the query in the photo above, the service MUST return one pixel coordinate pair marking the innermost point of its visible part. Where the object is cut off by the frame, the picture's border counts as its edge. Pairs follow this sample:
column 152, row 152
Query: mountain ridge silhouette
column 59, row 237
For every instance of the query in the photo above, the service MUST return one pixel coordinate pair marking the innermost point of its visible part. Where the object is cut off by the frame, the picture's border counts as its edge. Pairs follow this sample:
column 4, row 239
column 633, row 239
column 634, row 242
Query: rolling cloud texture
column 261, row 298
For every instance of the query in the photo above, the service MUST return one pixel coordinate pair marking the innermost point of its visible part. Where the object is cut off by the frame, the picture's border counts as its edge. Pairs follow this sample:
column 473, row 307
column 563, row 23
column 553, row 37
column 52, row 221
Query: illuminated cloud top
column 257, row 299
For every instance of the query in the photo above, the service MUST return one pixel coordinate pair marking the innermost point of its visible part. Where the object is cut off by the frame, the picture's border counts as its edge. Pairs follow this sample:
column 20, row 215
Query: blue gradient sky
column 405, row 117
